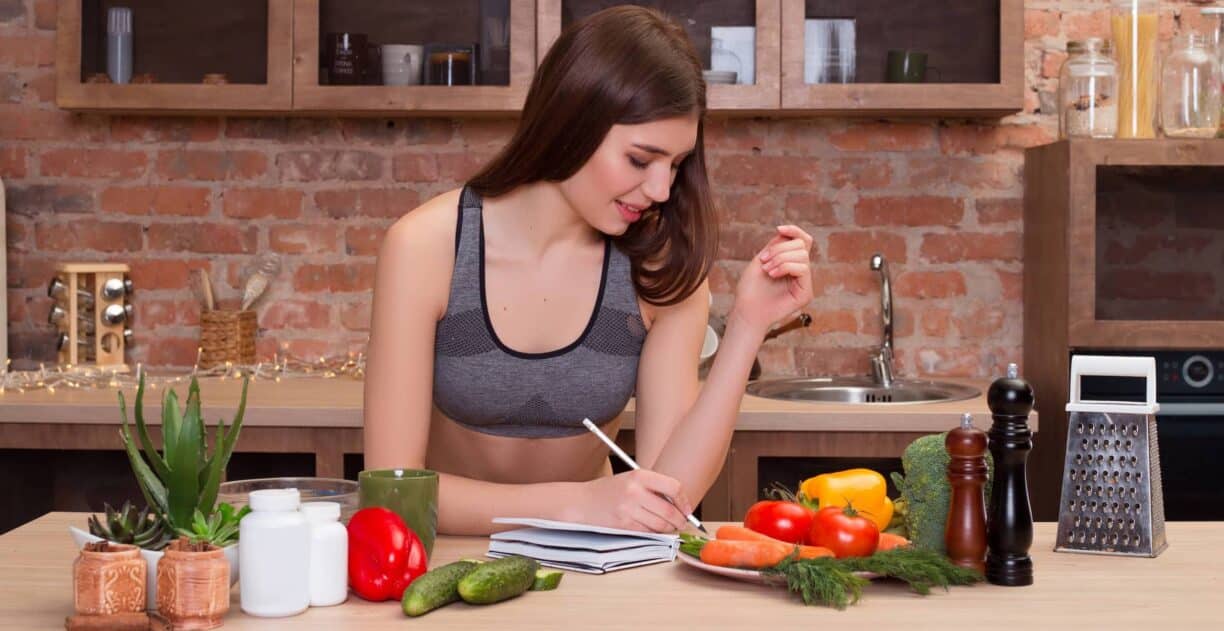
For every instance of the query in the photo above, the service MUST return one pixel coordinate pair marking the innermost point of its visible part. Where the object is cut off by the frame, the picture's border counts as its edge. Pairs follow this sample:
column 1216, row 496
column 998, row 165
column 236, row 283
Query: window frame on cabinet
column 174, row 98
column 414, row 100
column 761, row 98
column 898, row 99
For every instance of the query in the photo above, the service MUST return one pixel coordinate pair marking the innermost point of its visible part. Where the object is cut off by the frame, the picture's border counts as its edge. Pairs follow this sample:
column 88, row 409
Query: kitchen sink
column 860, row 390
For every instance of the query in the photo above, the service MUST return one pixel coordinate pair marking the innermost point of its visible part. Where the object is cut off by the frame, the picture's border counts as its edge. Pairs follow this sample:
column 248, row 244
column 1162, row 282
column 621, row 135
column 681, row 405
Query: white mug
column 401, row 64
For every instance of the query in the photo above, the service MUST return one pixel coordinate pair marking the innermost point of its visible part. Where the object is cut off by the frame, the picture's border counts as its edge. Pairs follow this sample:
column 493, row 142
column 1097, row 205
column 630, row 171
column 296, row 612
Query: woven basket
column 227, row 336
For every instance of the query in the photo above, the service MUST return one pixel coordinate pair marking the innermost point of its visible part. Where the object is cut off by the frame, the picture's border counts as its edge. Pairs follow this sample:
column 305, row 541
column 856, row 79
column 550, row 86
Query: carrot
column 731, row 532
column 888, row 541
column 740, row 533
column 814, row 552
column 752, row 555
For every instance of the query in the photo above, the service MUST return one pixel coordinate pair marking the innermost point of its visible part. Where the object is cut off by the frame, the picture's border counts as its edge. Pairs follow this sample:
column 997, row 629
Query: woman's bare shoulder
column 428, row 228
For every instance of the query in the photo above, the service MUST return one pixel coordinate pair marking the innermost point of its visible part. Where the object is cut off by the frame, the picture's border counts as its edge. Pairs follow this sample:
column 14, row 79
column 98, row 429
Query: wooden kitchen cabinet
column 760, row 97
column 1122, row 247
column 270, row 52
column 397, row 22
column 249, row 41
column 976, row 49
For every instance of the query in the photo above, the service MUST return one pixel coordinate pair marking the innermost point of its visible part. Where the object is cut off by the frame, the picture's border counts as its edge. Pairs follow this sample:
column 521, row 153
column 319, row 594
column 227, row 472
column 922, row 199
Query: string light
column 282, row 366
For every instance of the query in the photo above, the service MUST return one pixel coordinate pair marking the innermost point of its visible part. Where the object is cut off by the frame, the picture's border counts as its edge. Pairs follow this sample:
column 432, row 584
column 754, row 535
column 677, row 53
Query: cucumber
column 436, row 588
column 498, row 580
column 546, row 580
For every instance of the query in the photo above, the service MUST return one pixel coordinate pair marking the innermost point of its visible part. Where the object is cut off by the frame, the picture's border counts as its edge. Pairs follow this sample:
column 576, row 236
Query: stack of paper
column 581, row 547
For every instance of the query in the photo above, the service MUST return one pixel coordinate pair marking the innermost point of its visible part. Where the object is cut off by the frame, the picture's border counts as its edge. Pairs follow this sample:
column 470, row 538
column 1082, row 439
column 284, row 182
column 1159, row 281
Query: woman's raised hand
column 778, row 280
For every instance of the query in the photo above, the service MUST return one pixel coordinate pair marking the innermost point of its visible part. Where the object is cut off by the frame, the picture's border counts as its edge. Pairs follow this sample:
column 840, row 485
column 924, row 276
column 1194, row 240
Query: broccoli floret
column 926, row 492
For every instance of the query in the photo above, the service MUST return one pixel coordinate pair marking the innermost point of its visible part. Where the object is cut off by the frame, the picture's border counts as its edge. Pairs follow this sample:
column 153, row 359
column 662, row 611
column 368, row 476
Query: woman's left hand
column 778, row 280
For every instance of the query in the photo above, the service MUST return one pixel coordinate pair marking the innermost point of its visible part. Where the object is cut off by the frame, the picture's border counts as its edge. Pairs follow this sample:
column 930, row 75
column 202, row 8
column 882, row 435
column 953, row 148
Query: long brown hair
column 624, row 65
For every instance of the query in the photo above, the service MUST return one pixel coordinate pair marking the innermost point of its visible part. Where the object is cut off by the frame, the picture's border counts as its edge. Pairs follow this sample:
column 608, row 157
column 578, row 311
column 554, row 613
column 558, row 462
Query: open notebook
column 581, row 547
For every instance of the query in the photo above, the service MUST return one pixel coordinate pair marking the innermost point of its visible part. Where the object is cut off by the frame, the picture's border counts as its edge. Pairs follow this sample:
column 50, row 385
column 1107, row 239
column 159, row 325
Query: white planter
column 151, row 557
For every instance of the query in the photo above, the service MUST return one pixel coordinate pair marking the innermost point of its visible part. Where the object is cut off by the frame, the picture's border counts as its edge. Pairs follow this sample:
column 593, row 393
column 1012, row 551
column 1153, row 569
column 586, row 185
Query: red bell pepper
column 384, row 554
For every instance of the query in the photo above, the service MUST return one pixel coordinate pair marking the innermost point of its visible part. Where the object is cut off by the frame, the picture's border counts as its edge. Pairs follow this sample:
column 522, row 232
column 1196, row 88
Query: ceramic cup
column 401, row 64
column 410, row 493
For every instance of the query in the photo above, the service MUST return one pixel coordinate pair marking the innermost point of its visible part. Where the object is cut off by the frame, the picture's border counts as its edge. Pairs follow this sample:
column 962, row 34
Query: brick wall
column 941, row 200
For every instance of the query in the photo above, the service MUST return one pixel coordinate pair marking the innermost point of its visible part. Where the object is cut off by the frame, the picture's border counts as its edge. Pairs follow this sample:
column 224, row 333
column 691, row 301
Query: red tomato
column 785, row 521
column 844, row 531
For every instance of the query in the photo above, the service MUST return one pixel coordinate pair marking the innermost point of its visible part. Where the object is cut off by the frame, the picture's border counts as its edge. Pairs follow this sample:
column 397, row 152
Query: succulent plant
column 185, row 476
column 219, row 529
column 141, row 528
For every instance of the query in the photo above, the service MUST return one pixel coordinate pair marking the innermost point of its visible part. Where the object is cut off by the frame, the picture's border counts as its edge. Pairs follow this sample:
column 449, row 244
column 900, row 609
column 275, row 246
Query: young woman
column 565, row 277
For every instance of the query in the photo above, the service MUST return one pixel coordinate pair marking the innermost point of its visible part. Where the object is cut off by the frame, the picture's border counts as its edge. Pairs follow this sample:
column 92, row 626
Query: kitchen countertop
column 1177, row 590
column 337, row 403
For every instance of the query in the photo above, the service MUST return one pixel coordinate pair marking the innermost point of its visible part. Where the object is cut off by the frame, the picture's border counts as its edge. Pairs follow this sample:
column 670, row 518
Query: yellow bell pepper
column 864, row 489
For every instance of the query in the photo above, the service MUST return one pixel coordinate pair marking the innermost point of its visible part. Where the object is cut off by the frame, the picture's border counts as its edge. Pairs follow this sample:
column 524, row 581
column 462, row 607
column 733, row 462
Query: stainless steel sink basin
column 860, row 390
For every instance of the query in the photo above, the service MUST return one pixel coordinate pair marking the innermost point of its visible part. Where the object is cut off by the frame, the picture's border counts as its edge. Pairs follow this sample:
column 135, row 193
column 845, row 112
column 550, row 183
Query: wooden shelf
column 763, row 97
column 292, row 78
column 1006, row 96
column 309, row 96
column 1061, row 276
column 274, row 95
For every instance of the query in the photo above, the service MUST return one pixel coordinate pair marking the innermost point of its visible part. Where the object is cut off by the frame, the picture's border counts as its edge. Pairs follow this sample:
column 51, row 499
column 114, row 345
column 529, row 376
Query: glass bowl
column 343, row 492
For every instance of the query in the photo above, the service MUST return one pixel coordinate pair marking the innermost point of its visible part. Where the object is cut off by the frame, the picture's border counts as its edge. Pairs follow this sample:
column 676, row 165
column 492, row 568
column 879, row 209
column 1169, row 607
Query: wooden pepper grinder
column 965, row 533
column 1010, row 526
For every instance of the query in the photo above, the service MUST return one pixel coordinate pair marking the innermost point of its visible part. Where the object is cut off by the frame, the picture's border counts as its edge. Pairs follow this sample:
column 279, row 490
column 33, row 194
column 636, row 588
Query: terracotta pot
column 108, row 578
column 193, row 588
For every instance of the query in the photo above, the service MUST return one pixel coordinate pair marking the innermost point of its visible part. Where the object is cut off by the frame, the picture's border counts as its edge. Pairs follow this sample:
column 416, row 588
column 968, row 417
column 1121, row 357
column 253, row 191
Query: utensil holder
column 227, row 336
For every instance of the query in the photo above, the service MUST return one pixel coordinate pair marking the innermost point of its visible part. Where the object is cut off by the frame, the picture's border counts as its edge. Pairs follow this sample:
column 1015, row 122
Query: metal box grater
column 1111, row 500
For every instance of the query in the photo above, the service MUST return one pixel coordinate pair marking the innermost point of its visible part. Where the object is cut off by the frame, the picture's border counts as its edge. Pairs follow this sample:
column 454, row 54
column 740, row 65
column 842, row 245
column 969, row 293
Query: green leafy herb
column 831, row 582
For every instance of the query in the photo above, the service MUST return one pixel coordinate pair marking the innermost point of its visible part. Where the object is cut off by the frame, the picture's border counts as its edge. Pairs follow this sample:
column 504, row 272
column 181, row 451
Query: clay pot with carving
column 108, row 578
column 193, row 588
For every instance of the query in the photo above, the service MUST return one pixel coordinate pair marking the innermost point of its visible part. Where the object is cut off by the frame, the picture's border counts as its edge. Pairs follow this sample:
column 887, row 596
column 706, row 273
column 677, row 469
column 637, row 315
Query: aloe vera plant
column 185, row 476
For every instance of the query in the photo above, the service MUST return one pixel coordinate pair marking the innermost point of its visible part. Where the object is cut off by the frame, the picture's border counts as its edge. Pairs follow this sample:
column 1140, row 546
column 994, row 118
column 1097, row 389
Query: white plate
column 751, row 576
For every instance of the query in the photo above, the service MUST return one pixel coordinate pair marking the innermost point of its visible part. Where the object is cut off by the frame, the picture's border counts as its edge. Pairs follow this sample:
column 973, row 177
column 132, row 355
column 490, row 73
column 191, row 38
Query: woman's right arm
column 410, row 294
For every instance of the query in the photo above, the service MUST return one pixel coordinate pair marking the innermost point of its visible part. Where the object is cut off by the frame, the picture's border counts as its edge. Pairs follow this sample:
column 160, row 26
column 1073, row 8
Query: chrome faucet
column 882, row 362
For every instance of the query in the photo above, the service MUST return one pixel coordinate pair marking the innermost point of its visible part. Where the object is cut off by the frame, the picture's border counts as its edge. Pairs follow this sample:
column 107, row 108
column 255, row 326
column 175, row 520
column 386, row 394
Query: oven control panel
column 1178, row 373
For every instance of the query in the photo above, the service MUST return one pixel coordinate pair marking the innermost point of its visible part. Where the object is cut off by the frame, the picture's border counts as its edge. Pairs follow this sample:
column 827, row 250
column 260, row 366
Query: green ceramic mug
column 410, row 493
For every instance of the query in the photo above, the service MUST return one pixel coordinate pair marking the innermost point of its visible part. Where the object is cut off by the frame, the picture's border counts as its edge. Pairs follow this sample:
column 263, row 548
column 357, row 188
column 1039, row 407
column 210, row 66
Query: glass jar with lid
column 1088, row 91
column 1190, row 89
column 1134, row 25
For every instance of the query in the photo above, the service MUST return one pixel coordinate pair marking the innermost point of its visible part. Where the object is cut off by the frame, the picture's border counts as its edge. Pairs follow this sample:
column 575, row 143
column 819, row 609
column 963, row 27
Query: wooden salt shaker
column 965, row 533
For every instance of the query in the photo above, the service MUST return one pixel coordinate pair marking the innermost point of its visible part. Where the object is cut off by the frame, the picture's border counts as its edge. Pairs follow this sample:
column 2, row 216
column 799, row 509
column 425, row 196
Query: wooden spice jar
column 108, row 578
column 193, row 588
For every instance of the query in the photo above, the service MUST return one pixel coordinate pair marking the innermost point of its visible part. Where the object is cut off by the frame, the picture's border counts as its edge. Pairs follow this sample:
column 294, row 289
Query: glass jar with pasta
column 1134, row 25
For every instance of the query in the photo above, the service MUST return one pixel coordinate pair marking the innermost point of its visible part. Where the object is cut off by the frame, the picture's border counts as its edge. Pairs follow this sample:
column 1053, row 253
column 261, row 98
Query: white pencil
column 633, row 465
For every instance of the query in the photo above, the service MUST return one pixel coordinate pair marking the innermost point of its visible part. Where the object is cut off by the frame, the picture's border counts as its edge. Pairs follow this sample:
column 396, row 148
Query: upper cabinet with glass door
column 737, row 42
column 903, row 57
column 174, row 57
column 412, row 57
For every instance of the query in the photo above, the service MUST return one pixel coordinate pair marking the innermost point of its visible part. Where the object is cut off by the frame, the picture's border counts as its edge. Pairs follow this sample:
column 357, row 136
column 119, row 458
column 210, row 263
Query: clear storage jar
column 1135, row 25
column 1088, row 91
column 1190, row 89
column 1217, row 39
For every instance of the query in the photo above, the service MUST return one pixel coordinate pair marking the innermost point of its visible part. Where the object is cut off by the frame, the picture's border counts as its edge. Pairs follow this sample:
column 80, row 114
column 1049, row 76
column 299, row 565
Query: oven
column 1189, row 426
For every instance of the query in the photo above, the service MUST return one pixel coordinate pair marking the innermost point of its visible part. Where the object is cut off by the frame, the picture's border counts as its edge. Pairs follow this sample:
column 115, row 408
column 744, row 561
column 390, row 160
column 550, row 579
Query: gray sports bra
column 490, row 388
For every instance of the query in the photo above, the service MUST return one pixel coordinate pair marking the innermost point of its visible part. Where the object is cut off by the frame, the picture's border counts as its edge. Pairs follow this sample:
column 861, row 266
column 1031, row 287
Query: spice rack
column 91, row 314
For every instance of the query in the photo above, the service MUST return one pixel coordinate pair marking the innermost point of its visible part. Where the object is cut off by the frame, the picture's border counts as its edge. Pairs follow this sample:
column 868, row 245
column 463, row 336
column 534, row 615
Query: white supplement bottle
column 274, row 555
column 328, row 554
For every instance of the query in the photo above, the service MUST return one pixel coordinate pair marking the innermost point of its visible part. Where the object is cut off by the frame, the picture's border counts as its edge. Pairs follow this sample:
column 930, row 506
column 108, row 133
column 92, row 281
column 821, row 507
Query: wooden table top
column 1177, row 590
column 337, row 402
